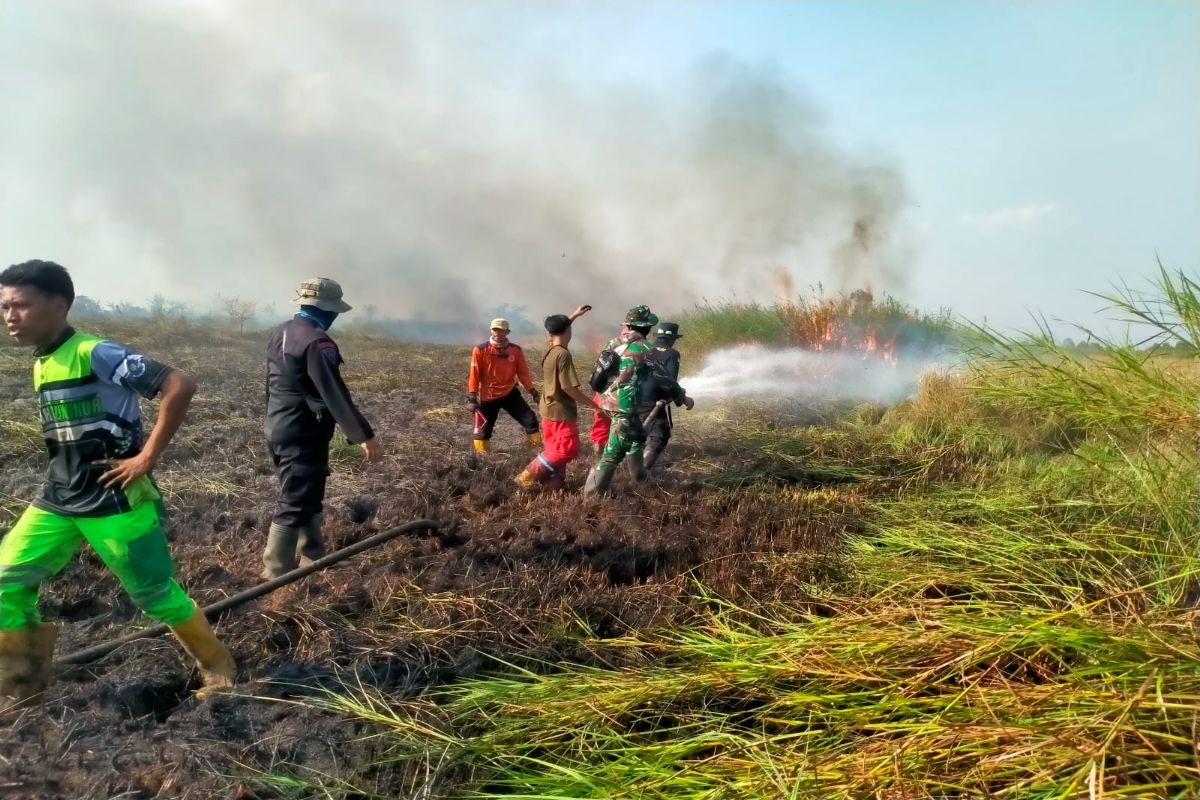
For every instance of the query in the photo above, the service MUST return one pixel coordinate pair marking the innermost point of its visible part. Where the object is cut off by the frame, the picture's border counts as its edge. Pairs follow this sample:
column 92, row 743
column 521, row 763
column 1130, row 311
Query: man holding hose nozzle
column 623, row 397
column 665, row 358
column 306, row 398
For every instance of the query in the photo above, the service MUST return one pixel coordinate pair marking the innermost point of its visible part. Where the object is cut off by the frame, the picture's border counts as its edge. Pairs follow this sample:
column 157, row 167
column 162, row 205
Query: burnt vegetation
column 510, row 578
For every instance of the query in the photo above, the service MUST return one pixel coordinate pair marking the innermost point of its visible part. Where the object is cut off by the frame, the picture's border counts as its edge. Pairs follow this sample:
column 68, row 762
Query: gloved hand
column 473, row 401
column 537, row 397
column 689, row 403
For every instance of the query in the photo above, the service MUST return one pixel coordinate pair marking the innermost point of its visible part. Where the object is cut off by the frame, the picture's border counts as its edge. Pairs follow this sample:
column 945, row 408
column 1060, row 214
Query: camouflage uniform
column 622, row 400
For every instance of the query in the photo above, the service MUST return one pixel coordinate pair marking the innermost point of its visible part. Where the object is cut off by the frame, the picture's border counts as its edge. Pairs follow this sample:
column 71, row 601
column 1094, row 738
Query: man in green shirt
column 98, row 488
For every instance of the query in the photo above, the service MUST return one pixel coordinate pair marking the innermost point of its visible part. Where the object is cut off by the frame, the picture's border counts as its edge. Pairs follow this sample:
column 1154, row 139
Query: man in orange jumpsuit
column 497, row 366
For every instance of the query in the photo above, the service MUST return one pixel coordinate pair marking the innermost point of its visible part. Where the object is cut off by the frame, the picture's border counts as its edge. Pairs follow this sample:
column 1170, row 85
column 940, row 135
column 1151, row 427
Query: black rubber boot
column 637, row 466
column 653, row 451
column 598, row 481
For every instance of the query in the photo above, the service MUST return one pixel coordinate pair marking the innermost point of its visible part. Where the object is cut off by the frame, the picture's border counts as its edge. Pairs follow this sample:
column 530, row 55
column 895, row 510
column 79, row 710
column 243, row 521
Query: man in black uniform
column 665, row 358
column 306, row 397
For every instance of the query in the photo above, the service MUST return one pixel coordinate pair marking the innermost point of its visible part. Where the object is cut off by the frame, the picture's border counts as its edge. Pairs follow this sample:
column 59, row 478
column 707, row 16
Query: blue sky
column 428, row 153
column 1049, row 147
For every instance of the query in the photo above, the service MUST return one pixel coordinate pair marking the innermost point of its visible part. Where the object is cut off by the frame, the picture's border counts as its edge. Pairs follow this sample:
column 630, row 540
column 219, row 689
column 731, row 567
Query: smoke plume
column 761, row 373
column 437, row 169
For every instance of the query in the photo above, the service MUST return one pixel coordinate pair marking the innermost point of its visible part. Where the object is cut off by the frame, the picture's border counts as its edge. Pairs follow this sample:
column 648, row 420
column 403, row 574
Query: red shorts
column 601, row 427
column 560, row 441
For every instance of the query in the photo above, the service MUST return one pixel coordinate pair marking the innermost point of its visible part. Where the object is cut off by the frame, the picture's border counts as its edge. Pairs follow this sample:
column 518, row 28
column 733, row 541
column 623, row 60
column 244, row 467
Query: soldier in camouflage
column 622, row 398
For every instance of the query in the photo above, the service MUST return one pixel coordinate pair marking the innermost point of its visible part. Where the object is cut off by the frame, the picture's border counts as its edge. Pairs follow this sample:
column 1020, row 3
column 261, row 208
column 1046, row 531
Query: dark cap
column 670, row 330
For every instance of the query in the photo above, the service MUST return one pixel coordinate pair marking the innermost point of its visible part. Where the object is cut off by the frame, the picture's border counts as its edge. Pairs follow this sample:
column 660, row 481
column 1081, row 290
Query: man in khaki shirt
column 559, row 407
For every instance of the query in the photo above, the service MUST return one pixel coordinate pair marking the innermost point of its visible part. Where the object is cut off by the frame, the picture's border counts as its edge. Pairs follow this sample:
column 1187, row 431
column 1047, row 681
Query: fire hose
column 654, row 412
column 89, row 654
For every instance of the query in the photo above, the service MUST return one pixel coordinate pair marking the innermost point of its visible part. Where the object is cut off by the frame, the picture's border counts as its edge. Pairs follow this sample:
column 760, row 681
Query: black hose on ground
column 89, row 654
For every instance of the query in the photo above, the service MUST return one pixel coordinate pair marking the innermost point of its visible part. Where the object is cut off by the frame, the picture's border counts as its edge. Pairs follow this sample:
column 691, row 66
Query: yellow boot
column 17, row 667
column 26, row 663
column 44, row 637
column 481, row 446
column 534, row 439
column 217, row 669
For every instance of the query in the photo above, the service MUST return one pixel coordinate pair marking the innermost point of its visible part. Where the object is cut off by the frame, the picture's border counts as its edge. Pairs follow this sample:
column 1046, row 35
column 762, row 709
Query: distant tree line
column 234, row 311
column 241, row 315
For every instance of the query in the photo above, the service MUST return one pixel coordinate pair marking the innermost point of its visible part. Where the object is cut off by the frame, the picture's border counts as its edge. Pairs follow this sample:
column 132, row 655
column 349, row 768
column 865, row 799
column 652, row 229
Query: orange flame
column 889, row 352
column 841, row 324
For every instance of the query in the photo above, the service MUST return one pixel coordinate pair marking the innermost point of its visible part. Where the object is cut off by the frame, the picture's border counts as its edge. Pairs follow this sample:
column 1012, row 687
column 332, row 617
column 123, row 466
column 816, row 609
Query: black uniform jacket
column 306, row 395
column 663, row 381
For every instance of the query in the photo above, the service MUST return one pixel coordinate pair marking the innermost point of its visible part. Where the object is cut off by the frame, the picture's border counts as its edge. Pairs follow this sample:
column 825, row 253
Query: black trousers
column 303, row 469
column 514, row 404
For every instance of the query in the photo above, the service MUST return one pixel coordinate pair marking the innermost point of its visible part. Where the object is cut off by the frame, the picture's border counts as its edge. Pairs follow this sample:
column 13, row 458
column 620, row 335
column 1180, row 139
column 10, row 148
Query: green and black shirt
column 88, row 390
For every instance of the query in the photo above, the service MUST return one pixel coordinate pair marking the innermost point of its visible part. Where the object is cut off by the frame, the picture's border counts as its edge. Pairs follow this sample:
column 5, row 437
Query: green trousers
column 626, row 437
column 133, row 545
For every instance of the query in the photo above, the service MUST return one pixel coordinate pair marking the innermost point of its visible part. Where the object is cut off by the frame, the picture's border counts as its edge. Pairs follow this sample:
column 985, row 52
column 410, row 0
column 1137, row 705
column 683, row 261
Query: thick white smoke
column 757, row 372
column 437, row 160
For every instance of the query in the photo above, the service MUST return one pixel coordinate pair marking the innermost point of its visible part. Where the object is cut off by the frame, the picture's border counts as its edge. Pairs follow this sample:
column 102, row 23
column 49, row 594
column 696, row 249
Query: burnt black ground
column 517, row 576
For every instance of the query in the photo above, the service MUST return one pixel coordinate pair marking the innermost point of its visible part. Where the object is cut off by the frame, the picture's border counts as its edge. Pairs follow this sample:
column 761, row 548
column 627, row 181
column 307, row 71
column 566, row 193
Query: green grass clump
column 924, row 699
column 854, row 322
column 713, row 326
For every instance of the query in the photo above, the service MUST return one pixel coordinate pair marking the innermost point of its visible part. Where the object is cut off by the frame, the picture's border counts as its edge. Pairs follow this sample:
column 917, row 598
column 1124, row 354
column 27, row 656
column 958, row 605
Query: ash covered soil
column 522, row 578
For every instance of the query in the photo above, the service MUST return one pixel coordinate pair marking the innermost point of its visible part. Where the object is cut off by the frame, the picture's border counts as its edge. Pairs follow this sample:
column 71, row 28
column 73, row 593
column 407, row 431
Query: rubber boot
column 637, row 467
column 653, row 451
column 534, row 439
column 217, row 669
column 311, row 544
column 279, row 557
column 18, row 681
column 481, row 446
column 598, row 481
column 557, row 480
column 45, row 636
column 536, row 472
